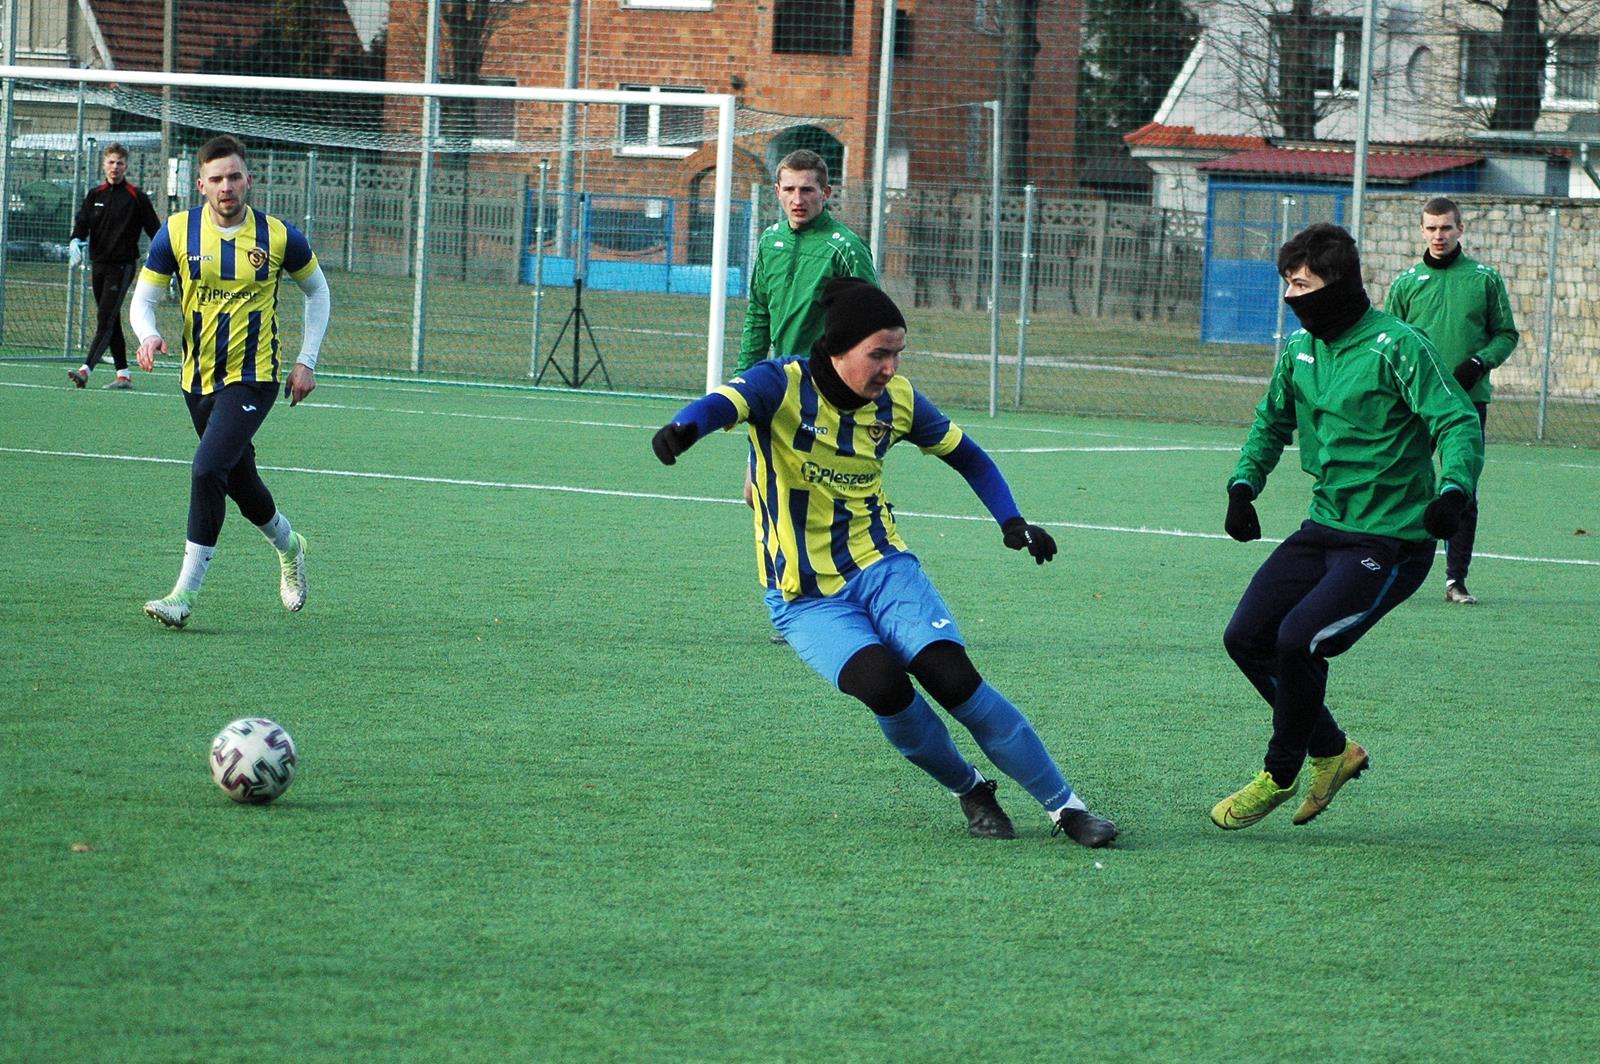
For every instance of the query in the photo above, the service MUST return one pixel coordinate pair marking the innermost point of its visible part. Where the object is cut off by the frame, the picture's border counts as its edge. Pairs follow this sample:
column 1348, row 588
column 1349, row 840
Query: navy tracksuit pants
column 1317, row 593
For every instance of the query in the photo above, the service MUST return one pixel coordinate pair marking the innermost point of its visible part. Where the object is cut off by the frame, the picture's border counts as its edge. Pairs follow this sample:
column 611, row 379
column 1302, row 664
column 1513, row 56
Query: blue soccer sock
column 1010, row 742
column 919, row 734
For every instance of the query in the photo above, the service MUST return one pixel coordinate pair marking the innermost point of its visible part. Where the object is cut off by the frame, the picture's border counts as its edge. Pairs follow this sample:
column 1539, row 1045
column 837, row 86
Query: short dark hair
column 802, row 159
column 1324, row 249
column 1442, row 205
column 113, row 148
column 220, row 148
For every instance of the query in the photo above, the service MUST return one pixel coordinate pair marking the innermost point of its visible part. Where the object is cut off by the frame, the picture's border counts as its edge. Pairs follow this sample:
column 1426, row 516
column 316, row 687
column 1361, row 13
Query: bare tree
column 1285, row 65
column 466, row 27
column 1019, row 49
column 1521, row 54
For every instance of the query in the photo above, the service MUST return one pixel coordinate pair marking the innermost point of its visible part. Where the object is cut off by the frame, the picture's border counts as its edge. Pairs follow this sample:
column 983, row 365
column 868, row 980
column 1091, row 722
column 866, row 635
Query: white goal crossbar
column 721, row 103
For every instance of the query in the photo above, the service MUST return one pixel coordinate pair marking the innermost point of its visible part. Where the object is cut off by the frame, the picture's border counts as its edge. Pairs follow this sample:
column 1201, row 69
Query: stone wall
column 1512, row 235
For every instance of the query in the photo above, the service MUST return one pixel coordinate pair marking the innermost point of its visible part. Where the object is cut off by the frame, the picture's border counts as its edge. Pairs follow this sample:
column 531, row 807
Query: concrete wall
column 1512, row 236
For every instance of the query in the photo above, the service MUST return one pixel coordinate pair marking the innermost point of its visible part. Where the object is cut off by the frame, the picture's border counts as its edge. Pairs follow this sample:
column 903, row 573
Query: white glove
column 75, row 252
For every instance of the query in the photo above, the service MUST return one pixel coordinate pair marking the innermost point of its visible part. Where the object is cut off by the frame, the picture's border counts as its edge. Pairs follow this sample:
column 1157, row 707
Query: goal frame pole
column 722, row 103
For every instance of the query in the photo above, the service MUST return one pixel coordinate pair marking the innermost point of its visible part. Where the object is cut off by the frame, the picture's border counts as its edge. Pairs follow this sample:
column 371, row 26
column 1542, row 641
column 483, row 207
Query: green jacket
column 792, row 267
column 1368, row 408
column 1464, row 310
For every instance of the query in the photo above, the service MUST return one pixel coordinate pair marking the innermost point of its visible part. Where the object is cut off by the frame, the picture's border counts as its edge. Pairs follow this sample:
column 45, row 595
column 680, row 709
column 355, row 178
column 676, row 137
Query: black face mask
column 1329, row 312
column 832, row 386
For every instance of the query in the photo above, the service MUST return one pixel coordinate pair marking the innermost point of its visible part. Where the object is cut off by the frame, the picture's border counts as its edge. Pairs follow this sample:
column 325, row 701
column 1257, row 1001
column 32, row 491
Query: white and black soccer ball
column 253, row 760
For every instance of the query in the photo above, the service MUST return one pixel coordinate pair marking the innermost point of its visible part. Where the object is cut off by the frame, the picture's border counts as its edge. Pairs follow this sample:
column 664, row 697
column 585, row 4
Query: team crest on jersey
column 257, row 257
column 877, row 431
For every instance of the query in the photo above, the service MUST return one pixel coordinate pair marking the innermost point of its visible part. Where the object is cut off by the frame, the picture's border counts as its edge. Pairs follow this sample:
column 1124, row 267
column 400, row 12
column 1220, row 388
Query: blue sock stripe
column 1008, row 740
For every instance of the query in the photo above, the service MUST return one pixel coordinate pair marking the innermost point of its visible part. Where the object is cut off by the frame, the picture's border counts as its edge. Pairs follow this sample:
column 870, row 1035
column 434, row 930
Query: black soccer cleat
column 1084, row 828
column 985, row 818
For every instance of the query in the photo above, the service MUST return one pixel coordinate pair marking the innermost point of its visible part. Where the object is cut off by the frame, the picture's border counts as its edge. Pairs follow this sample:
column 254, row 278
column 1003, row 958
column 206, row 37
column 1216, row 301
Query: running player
column 228, row 258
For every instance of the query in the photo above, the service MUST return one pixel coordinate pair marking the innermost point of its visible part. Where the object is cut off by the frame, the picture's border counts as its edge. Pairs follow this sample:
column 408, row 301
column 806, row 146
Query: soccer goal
column 498, row 233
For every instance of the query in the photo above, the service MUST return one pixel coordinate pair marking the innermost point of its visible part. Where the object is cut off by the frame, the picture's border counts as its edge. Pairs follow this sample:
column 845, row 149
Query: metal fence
column 1111, row 326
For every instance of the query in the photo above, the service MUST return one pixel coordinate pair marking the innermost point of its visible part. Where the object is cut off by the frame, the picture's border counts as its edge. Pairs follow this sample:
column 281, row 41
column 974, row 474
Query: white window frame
column 652, row 148
column 1346, row 46
column 1547, row 96
column 497, row 143
column 1566, row 103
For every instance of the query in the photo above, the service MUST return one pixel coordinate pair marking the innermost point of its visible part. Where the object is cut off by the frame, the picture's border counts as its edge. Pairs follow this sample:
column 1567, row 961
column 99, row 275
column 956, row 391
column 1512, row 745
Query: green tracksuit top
column 1464, row 310
column 792, row 267
column 1368, row 407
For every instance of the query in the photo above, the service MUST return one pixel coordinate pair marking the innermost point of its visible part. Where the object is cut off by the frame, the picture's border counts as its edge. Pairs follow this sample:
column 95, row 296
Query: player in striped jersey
column 841, row 585
column 228, row 258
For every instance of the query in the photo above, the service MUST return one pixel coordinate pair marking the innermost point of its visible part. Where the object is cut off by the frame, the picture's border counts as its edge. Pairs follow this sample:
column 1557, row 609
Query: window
column 986, row 16
column 478, row 119
column 673, row 132
column 496, row 119
column 902, row 35
column 1326, row 52
column 813, row 27
column 1480, row 67
column 1570, row 72
column 1336, row 59
column 1571, row 69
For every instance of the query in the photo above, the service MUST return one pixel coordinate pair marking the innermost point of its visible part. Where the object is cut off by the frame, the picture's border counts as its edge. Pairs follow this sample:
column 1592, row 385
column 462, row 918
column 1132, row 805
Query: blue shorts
column 890, row 602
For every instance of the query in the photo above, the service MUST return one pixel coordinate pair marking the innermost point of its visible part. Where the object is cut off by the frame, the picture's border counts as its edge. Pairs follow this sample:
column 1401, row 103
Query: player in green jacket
column 1463, row 307
column 1369, row 397
column 796, row 257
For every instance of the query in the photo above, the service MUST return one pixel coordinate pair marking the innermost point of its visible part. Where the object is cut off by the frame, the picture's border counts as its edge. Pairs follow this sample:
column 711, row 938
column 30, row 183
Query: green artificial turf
column 561, row 800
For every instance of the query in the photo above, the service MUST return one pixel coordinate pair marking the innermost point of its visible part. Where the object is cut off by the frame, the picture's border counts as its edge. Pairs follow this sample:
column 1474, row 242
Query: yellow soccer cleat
column 1328, row 774
column 1251, row 802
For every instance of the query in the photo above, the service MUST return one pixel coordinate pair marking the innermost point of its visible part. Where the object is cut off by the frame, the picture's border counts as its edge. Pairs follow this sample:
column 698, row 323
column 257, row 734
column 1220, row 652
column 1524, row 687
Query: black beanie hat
column 854, row 310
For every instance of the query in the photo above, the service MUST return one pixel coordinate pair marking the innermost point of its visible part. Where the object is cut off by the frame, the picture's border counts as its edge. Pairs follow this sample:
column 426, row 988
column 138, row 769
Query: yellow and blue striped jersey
column 229, row 286
column 822, row 515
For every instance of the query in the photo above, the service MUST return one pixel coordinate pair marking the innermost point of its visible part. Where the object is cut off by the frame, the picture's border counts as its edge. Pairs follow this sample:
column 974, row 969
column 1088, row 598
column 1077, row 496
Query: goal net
column 497, row 233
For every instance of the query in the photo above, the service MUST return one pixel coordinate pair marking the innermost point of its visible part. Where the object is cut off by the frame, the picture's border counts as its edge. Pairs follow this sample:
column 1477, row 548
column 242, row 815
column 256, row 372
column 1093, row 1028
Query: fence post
column 1284, row 203
column 994, row 260
column 77, row 197
column 1102, row 222
column 753, row 238
column 1549, row 317
column 311, row 194
column 538, row 266
column 350, row 219
column 1024, row 293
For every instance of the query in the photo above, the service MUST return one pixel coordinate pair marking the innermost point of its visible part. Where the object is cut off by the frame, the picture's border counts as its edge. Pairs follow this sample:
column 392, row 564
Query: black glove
column 1021, row 535
column 1443, row 516
column 672, row 440
column 1471, row 371
column 1242, row 523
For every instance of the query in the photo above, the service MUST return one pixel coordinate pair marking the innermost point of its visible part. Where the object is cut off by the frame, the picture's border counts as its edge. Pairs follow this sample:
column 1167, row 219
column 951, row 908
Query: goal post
column 494, row 135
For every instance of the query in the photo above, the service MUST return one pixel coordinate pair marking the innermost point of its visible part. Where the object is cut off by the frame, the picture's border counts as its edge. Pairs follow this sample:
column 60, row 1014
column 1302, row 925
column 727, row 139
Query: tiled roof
column 210, row 33
column 1338, row 163
column 1156, row 135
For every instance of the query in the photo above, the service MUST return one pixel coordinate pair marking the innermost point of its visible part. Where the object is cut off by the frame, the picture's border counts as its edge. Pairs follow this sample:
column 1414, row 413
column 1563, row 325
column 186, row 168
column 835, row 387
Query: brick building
column 816, row 58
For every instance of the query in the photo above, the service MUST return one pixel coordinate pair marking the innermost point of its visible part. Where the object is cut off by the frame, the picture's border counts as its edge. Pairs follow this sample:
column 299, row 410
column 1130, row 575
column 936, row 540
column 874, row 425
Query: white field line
column 572, row 489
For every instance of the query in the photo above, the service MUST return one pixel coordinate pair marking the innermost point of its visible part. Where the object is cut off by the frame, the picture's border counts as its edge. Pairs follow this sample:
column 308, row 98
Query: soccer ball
column 253, row 760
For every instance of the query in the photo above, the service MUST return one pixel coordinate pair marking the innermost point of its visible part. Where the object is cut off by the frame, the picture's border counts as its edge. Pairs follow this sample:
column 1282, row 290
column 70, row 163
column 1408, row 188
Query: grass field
column 561, row 800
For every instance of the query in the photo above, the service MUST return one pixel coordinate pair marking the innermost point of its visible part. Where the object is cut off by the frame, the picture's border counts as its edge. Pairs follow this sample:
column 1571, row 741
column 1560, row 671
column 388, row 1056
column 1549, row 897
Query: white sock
column 196, row 560
column 126, row 374
column 278, row 532
column 84, row 368
column 1072, row 803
